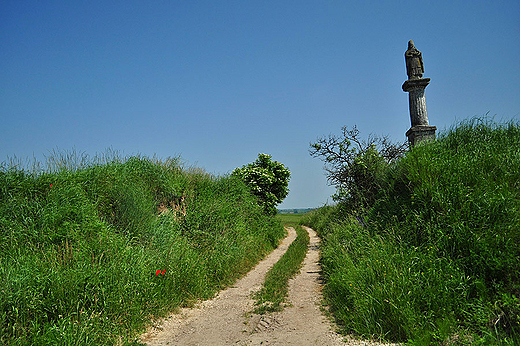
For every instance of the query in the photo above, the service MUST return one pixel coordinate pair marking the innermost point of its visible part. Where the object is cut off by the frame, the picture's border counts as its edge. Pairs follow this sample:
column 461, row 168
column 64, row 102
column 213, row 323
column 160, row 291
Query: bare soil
column 227, row 318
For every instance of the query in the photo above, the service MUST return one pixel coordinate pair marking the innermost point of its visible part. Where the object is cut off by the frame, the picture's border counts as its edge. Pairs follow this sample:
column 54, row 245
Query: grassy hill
column 436, row 260
column 91, row 252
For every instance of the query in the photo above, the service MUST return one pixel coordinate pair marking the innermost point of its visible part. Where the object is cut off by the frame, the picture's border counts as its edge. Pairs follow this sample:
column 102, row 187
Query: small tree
column 268, row 180
column 356, row 168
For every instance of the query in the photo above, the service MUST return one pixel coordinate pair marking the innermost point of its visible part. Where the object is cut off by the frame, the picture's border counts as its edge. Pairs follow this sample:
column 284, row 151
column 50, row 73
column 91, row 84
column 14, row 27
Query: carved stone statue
column 414, row 62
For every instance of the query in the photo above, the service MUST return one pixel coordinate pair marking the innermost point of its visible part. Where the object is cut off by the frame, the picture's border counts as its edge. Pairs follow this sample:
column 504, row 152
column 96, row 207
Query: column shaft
column 417, row 101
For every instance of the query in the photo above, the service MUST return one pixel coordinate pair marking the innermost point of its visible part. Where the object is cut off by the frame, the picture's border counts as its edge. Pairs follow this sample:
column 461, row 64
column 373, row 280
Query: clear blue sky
column 218, row 82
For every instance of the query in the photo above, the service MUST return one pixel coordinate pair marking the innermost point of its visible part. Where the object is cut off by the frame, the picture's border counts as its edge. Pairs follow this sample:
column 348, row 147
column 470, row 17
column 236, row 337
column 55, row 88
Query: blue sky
column 218, row 82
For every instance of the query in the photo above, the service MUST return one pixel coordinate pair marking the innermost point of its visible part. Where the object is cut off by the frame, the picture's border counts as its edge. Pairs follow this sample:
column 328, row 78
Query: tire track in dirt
column 303, row 323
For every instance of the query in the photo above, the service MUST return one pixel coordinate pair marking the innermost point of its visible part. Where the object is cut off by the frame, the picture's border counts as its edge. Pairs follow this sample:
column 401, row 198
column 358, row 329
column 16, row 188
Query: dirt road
column 226, row 319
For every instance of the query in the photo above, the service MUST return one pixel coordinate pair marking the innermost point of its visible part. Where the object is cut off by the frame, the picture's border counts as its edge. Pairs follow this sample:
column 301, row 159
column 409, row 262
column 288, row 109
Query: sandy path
column 219, row 321
column 303, row 323
column 226, row 319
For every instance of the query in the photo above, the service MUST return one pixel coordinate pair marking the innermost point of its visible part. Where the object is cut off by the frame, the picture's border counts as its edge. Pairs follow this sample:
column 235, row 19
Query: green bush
column 357, row 168
column 267, row 179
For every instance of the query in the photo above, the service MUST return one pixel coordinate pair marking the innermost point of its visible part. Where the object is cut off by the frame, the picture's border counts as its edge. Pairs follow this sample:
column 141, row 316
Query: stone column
column 415, row 86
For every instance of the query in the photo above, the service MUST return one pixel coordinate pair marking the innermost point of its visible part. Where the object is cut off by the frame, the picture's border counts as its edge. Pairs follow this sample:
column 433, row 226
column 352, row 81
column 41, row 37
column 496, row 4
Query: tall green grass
column 82, row 243
column 436, row 260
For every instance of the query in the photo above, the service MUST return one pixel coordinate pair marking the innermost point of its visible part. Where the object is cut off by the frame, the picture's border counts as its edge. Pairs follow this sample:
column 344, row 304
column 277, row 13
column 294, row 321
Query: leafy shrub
column 267, row 179
column 357, row 168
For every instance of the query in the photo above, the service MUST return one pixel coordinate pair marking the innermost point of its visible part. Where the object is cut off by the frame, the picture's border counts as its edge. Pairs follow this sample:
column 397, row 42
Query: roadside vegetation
column 92, row 250
column 273, row 294
column 428, row 255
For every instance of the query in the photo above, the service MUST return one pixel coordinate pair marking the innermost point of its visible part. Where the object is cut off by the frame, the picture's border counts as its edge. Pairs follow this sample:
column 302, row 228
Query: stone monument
column 415, row 86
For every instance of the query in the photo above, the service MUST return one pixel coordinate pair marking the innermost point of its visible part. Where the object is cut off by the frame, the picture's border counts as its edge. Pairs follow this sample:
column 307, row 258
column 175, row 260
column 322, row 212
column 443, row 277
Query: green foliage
column 275, row 288
column 355, row 167
column 436, row 258
column 267, row 179
column 79, row 258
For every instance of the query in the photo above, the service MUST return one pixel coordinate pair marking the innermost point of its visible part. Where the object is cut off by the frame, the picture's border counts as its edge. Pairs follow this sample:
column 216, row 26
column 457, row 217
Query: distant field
column 289, row 219
column 295, row 211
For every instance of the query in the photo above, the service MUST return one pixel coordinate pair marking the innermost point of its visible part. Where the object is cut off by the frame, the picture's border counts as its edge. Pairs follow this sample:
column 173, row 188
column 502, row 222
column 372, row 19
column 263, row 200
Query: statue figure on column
column 414, row 86
column 414, row 62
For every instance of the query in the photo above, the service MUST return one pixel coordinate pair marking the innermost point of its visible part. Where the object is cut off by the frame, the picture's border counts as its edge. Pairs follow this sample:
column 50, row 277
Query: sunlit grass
column 82, row 240
column 437, row 257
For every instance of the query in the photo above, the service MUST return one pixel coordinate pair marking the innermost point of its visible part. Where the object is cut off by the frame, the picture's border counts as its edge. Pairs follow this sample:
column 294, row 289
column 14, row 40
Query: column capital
column 415, row 83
